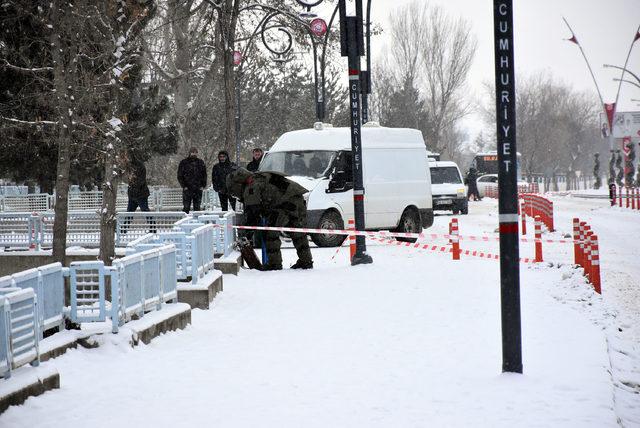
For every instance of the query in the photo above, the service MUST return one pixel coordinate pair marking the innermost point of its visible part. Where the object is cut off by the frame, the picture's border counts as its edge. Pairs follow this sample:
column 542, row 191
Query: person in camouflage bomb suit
column 278, row 200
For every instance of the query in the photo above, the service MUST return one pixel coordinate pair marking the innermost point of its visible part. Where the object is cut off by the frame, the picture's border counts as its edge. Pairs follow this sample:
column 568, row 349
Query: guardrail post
column 595, row 264
column 634, row 191
column 538, row 238
column 455, row 239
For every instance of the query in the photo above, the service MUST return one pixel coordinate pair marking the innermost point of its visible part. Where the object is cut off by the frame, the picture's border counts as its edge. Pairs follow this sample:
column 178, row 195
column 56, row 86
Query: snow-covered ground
column 412, row 340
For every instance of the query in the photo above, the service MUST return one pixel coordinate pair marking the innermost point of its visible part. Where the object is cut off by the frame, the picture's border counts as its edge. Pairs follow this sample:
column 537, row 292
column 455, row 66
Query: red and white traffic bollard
column 576, row 244
column 583, row 247
column 524, row 218
column 587, row 254
column 455, row 238
column 538, row 236
column 627, row 197
column 620, row 196
column 633, row 198
column 352, row 239
column 594, row 278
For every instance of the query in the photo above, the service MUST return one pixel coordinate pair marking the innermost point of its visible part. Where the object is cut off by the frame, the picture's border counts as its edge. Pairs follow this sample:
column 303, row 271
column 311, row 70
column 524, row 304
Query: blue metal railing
column 19, row 338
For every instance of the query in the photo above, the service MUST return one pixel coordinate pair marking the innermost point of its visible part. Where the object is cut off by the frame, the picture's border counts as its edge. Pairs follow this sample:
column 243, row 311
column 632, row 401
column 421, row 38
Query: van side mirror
column 339, row 183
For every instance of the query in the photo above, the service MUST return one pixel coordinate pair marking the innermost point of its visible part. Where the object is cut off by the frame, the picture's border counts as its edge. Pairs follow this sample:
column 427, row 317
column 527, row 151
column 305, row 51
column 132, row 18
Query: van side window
column 342, row 175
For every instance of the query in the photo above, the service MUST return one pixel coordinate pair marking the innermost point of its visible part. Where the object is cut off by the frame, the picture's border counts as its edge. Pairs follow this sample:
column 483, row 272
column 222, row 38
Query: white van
column 395, row 172
column 447, row 187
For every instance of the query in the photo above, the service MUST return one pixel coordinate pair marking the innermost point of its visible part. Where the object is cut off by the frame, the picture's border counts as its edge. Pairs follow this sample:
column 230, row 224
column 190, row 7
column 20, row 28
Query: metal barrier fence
column 48, row 284
column 491, row 190
column 139, row 283
column 24, row 230
column 539, row 206
column 194, row 248
column 33, row 202
column 13, row 190
column 18, row 230
column 19, row 342
column 162, row 199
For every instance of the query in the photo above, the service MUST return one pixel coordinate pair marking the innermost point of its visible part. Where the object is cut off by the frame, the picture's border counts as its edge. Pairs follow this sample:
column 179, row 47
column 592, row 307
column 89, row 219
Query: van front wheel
column 409, row 223
column 329, row 220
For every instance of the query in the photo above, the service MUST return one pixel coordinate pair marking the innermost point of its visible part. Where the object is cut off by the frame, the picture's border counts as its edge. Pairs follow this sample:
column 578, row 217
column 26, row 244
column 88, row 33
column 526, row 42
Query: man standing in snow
column 218, row 177
column 192, row 175
column 471, row 178
column 281, row 203
column 255, row 162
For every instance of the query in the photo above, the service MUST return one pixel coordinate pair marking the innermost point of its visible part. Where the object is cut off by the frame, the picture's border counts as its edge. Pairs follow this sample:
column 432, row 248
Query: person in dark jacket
column 192, row 175
column 219, row 175
column 280, row 201
column 138, row 191
column 257, row 158
column 471, row 178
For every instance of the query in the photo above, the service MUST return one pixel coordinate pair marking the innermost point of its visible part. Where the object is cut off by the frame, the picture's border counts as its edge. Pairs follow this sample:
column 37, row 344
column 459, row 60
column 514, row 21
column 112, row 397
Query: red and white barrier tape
column 389, row 234
column 443, row 249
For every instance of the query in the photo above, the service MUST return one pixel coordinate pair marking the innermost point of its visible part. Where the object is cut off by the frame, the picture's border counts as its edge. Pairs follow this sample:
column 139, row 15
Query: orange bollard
column 524, row 219
column 620, row 196
column 587, row 255
column 538, row 235
column 576, row 244
column 582, row 234
column 595, row 264
column 352, row 239
column 455, row 241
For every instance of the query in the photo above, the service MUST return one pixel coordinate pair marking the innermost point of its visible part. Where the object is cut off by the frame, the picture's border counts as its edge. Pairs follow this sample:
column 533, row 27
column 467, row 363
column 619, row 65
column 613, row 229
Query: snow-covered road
column 411, row 340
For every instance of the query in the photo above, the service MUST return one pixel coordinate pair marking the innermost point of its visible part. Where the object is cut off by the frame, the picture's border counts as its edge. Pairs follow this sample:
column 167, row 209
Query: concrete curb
column 27, row 382
column 200, row 295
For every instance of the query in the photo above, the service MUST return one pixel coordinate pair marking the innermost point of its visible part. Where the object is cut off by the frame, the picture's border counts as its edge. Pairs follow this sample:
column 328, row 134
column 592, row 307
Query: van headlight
column 460, row 191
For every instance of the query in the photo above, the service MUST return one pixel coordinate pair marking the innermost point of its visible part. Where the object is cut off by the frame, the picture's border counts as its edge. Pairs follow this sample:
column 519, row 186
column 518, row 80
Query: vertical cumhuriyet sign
column 507, row 186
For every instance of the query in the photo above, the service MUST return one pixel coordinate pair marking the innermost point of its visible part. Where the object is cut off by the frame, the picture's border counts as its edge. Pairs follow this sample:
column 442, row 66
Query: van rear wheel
column 329, row 220
column 409, row 223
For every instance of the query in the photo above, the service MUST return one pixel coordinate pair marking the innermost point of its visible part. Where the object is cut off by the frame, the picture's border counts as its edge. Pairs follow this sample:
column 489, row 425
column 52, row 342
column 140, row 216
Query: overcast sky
column 605, row 29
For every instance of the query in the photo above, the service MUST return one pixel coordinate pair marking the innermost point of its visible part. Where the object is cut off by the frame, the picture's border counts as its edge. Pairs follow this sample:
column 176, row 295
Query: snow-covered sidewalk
column 411, row 340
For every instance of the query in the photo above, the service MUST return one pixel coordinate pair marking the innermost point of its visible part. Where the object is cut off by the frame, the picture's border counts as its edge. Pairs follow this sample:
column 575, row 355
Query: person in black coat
column 138, row 191
column 471, row 178
column 192, row 175
column 218, row 180
column 257, row 158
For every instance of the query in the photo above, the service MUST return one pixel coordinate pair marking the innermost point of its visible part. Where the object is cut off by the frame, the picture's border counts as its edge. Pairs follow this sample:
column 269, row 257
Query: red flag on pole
column 637, row 37
column 574, row 40
column 610, row 109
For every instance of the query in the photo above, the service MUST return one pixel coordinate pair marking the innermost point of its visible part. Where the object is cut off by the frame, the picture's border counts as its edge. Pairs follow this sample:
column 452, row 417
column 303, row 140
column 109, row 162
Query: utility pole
column 507, row 186
column 352, row 46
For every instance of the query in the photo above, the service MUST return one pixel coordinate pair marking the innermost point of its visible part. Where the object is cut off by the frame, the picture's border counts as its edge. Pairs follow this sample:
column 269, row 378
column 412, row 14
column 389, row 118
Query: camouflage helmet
column 236, row 181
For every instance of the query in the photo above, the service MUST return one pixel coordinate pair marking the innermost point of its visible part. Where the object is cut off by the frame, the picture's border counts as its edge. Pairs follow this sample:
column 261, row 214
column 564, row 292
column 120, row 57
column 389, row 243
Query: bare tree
column 430, row 60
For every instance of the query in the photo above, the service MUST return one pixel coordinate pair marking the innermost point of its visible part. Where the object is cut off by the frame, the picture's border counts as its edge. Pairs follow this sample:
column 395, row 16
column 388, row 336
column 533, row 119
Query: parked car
column 395, row 173
column 447, row 189
column 491, row 180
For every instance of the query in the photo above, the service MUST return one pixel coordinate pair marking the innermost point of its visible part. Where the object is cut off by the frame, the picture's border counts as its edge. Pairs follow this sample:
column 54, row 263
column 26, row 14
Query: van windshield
column 447, row 174
column 309, row 163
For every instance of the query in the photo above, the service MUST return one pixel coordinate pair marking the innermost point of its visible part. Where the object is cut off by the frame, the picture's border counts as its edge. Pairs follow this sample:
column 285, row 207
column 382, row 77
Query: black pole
column 507, row 186
column 352, row 46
